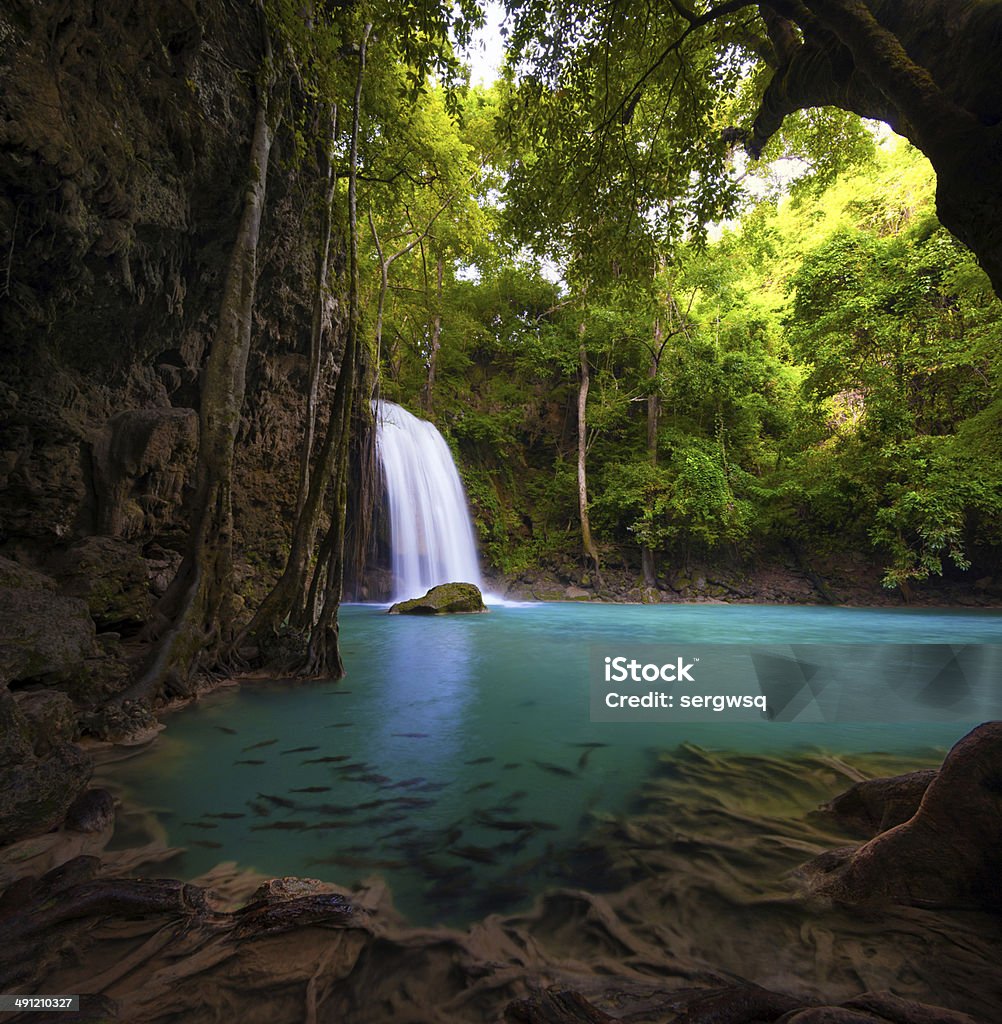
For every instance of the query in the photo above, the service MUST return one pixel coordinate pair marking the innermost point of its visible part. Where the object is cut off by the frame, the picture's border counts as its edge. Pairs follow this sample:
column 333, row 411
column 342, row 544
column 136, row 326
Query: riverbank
column 841, row 579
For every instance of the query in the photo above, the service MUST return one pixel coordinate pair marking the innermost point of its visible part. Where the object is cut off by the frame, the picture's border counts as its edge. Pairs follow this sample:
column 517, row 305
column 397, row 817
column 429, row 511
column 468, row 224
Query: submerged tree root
column 710, row 918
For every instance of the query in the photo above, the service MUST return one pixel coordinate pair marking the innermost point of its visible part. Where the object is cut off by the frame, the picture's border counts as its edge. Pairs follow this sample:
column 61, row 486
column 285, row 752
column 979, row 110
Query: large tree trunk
column 297, row 599
column 929, row 69
column 323, row 656
column 198, row 606
column 586, row 538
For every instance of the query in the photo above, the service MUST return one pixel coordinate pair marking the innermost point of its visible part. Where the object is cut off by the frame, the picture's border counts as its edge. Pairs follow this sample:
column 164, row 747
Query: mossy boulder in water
column 447, row 598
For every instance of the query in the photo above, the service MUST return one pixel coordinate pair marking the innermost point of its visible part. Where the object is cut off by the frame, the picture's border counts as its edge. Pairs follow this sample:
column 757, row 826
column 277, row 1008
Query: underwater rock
column 92, row 811
column 875, row 805
column 447, row 598
column 947, row 854
column 740, row 1004
column 555, row 1008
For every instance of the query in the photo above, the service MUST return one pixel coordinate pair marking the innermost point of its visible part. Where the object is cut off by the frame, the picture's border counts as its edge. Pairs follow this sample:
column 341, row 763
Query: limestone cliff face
column 124, row 134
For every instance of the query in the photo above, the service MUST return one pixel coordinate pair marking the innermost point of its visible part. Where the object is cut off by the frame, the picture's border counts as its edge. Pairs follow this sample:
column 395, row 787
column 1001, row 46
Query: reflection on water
column 458, row 758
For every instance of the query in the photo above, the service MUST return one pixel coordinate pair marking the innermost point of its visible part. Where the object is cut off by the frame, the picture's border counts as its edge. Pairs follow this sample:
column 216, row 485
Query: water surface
column 457, row 758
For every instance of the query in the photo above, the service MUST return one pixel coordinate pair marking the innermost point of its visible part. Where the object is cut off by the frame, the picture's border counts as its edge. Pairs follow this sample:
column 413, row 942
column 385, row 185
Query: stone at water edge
column 446, row 598
column 947, row 854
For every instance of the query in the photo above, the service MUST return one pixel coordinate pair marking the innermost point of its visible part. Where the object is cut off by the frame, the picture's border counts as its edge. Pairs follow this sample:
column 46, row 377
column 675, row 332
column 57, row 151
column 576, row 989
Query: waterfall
column 431, row 536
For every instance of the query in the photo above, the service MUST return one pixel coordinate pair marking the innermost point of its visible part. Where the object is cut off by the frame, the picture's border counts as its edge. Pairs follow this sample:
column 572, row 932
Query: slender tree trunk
column 385, row 262
column 586, row 539
column 198, row 605
column 647, row 560
column 317, row 325
column 436, row 342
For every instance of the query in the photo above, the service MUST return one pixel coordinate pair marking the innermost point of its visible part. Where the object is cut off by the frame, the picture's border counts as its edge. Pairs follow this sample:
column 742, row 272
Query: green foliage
column 690, row 499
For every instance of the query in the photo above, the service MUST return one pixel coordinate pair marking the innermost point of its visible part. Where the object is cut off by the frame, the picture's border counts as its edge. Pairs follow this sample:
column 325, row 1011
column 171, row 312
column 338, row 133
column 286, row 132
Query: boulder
column 35, row 792
column 92, row 811
column 42, row 635
column 50, row 718
column 15, row 576
column 112, row 577
column 947, row 854
column 448, row 598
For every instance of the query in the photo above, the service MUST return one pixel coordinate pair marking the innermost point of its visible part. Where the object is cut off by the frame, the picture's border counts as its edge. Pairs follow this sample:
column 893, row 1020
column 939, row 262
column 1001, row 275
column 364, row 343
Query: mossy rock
column 112, row 576
column 34, row 791
column 445, row 599
column 43, row 636
column 15, row 576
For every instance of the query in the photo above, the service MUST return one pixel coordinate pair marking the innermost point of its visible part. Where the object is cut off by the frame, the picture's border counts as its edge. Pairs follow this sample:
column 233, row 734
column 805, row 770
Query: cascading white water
column 431, row 537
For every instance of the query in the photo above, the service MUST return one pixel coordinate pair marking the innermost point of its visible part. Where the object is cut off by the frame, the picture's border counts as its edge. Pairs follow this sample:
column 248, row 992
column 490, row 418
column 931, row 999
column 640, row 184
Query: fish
column 513, row 824
column 480, row 854
column 298, row 750
column 312, row 789
column 335, row 759
column 402, row 831
column 207, row 843
column 278, row 801
column 479, row 760
column 448, row 889
column 406, row 783
column 248, row 762
column 371, row 777
column 431, row 787
column 260, row 809
column 412, row 801
column 228, row 815
column 338, row 693
column 479, row 786
column 226, row 729
column 200, row 824
column 355, row 766
column 554, row 769
column 411, row 735
column 284, row 826
column 512, row 764
column 389, row 818
column 258, row 746
column 369, row 804
column 324, row 826
column 339, row 725
column 517, row 844
column 349, row 861
column 453, row 835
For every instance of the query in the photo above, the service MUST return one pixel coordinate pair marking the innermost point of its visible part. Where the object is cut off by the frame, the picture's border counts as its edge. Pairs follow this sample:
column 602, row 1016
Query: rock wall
column 124, row 134
column 124, row 142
